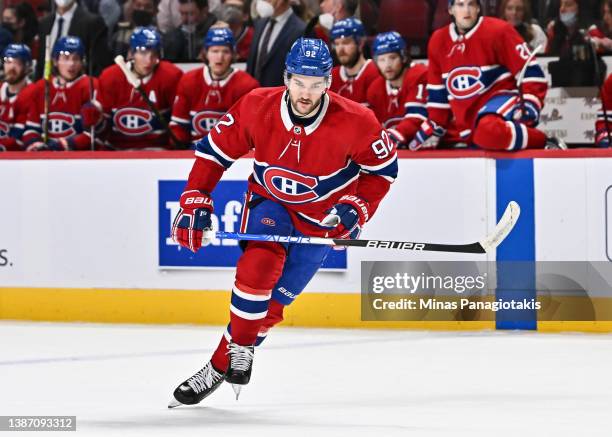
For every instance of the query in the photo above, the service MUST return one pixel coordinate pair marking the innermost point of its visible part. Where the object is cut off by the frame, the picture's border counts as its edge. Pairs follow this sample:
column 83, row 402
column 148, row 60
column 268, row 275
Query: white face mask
column 568, row 18
column 63, row 3
column 264, row 9
column 326, row 20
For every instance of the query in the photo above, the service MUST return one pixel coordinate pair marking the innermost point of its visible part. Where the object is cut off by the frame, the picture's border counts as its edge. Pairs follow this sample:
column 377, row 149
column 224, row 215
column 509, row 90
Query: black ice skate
column 196, row 388
column 554, row 143
column 240, row 366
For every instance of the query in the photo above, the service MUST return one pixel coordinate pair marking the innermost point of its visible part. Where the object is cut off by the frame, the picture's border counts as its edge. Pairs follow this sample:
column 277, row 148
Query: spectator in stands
column 184, row 44
column 70, row 18
column 40, row 7
column 109, row 10
column 567, row 39
column 331, row 11
column 140, row 13
column 21, row 21
column 72, row 109
column 601, row 34
column 237, row 18
column 518, row 13
column 134, row 121
column 15, row 96
column 205, row 94
column 168, row 15
column 564, row 32
column 275, row 32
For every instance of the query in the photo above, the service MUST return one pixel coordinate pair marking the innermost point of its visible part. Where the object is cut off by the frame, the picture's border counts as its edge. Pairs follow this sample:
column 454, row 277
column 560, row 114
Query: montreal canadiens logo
column 133, row 121
column 464, row 82
column 4, row 129
column 61, row 125
column 204, row 121
column 289, row 186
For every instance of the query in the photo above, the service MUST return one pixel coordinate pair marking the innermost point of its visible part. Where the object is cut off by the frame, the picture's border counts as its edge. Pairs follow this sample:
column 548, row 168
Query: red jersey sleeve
column 180, row 123
column 604, row 116
column 225, row 143
column 438, row 108
column 377, row 157
column 415, row 104
column 513, row 53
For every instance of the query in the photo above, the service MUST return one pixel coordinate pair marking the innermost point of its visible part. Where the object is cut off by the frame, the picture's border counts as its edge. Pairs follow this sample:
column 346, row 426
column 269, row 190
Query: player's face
column 14, row 70
column 305, row 92
column 607, row 15
column 390, row 65
column 347, row 51
column 465, row 13
column 69, row 66
column 567, row 6
column 219, row 59
column 514, row 12
column 145, row 61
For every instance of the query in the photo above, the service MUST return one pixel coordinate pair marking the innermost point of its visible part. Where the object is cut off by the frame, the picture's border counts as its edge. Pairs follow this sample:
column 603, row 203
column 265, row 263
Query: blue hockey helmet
column 220, row 36
column 145, row 38
column 309, row 57
column 388, row 42
column 68, row 45
column 349, row 27
column 18, row 51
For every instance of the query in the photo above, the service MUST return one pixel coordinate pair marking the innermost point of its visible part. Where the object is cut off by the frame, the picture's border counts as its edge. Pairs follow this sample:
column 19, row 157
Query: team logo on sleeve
column 465, row 82
column 204, row 121
column 133, row 121
column 289, row 186
column 61, row 125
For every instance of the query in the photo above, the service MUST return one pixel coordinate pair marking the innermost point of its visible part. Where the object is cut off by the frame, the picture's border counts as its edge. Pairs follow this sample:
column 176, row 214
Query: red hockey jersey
column 306, row 169
column 466, row 70
column 13, row 116
column 405, row 106
column 130, row 124
column 604, row 115
column 200, row 101
column 354, row 87
column 66, row 101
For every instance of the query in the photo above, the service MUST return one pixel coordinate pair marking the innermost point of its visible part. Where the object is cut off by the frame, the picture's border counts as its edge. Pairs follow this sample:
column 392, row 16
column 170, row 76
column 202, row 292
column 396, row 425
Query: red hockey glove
column 347, row 217
column 91, row 114
column 428, row 136
column 192, row 224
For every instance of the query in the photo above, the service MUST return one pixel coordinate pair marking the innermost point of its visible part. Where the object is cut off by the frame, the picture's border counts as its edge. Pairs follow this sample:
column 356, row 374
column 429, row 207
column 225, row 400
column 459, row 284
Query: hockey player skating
column 308, row 179
column 475, row 68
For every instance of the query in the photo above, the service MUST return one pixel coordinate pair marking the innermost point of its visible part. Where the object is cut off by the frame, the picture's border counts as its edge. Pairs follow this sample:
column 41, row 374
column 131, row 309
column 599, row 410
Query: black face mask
column 9, row 26
column 142, row 18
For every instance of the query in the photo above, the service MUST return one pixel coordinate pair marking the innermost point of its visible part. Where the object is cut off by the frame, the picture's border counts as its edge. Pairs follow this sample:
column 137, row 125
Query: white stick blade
column 131, row 78
column 503, row 227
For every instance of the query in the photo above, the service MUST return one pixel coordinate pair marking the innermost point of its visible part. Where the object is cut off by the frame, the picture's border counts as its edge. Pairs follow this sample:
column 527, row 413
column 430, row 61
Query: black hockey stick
column 487, row 244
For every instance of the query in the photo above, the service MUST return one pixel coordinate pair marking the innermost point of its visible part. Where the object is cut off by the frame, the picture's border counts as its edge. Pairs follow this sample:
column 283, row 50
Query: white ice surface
column 117, row 380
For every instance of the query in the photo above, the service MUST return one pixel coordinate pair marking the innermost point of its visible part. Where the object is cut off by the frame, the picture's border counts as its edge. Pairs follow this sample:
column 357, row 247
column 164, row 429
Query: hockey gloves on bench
column 192, row 225
column 427, row 137
column 347, row 217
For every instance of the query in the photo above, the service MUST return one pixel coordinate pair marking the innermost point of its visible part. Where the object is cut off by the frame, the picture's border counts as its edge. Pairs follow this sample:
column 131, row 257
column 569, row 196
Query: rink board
column 80, row 233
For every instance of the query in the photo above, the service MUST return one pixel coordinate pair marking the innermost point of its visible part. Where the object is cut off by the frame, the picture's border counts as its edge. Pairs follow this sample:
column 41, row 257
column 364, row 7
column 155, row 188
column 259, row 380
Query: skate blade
column 237, row 389
column 174, row 403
